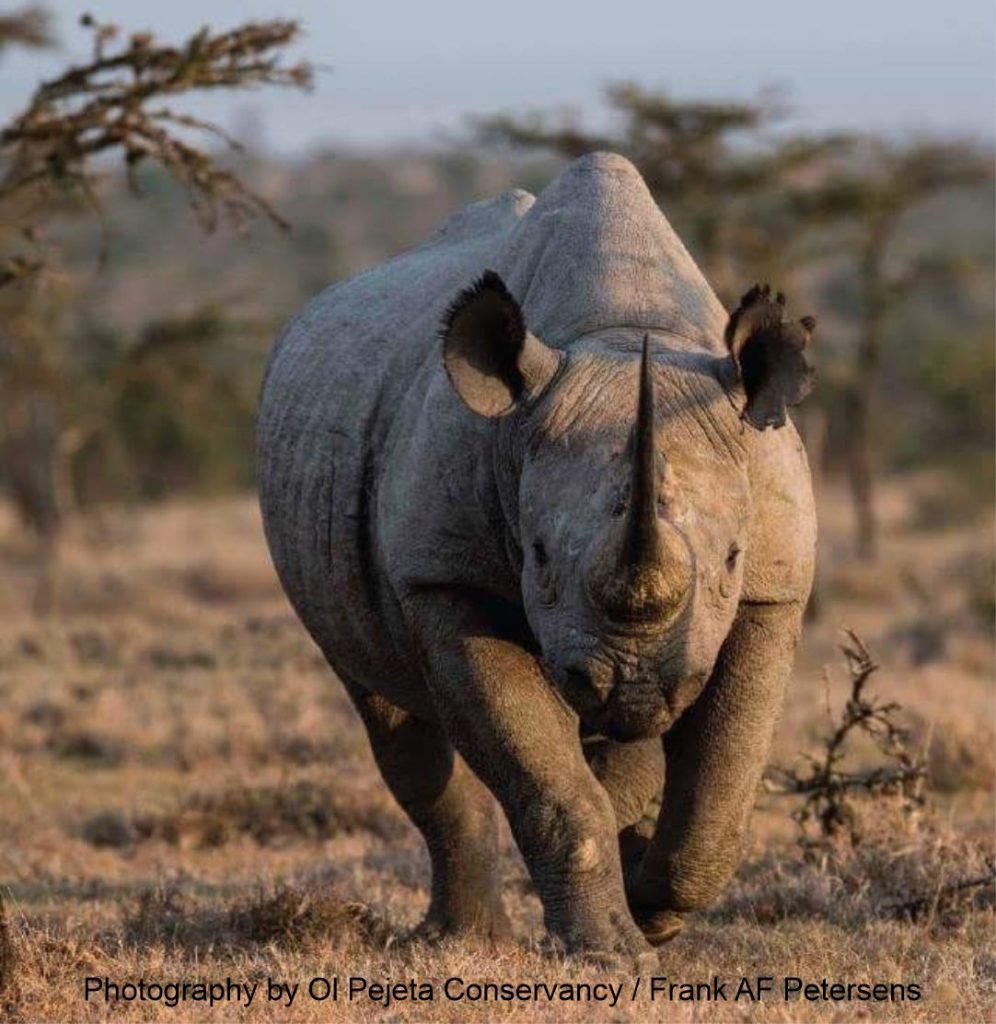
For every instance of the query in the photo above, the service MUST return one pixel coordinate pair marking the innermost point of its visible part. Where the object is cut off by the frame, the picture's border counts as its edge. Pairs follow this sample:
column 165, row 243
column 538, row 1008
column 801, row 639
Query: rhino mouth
column 633, row 711
column 611, row 702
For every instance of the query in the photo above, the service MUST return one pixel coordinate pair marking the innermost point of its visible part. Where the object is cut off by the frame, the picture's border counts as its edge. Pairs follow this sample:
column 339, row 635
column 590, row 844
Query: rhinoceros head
column 624, row 478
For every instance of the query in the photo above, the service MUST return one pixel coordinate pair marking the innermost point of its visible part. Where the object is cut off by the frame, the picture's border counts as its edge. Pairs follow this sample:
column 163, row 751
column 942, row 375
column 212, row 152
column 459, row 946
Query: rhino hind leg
column 631, row 773
column 455, row 813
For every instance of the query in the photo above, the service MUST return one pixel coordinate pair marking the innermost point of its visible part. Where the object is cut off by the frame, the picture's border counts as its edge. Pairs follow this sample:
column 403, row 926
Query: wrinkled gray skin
column 512, row 628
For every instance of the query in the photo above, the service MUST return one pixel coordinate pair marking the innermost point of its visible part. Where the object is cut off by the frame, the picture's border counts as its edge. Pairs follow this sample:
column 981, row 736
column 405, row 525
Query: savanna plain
column 189, row 795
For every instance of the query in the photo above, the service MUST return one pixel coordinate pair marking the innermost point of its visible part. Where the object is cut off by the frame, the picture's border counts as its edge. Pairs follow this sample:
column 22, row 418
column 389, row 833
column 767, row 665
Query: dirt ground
column 188, row 796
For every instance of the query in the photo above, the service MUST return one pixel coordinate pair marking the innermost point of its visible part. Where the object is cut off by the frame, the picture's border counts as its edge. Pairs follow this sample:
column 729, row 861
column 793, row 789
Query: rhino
column 519, row 486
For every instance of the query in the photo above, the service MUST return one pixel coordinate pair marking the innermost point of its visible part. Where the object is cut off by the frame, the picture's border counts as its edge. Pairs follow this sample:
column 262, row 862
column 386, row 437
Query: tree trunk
column 811, row 423
column 31, row 456
column 860, row 471
column 860, row 400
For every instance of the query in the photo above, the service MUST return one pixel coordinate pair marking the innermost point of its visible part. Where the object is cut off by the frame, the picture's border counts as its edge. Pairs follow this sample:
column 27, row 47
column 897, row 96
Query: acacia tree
column 870, row 197
column 118, row 104
column 714, row 166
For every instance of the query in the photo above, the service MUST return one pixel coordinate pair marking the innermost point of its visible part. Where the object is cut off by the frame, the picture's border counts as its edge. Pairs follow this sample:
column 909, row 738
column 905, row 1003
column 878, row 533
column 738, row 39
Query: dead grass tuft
column 921, row 871
column 293, row 915
column 8, row 961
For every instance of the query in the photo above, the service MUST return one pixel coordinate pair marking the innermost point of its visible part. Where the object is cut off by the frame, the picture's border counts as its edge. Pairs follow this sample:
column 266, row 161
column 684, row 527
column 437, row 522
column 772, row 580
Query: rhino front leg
column 633, row 776
column 715, row 756
column 520, row 737
column 457, row 816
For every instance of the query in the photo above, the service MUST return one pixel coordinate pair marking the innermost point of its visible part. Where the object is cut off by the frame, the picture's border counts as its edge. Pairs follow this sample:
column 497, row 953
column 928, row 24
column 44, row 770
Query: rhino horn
column 641, row 545
column 646, row 575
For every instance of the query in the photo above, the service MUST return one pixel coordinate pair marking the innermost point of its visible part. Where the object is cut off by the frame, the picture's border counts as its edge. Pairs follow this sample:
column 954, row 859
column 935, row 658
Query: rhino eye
column 539, row 553
column 732, row 555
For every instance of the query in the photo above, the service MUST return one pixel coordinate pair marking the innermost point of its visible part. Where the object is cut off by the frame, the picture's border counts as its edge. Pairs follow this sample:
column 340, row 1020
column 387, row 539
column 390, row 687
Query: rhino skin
column 517, row 486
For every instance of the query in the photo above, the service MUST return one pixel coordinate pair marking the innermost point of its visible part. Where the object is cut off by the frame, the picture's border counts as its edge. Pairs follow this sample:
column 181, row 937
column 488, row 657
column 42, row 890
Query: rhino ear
column 490, row 357
column 768, row 352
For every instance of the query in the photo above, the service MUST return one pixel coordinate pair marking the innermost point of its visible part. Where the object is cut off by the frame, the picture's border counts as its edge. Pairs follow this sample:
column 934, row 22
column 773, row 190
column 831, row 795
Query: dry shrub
column 267, row 814
column 93, row 647
column 96, row 749
column 830, row 790
column 44, row 713
column 173, row 658
column 871, row 846
column 109, row 829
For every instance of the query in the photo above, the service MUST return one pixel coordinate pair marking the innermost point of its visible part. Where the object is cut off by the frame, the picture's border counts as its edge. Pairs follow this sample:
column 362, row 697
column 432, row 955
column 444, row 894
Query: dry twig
column 928, row 904
column 114, row 103
column 826, row 787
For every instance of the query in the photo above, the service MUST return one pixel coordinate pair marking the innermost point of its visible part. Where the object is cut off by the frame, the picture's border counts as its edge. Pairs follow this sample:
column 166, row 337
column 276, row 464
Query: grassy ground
column 188, row 795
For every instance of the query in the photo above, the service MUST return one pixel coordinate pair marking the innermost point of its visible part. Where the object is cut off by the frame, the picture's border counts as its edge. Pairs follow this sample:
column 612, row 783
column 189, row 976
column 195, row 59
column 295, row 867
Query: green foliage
column 180, row 416
column 955, row 376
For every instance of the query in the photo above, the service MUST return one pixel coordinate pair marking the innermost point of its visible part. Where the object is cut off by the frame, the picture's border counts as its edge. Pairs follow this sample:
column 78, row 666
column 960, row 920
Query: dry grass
column 189, row 795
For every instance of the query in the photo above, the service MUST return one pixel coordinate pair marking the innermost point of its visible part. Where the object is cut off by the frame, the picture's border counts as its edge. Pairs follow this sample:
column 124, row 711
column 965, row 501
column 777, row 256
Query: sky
column 415, row 71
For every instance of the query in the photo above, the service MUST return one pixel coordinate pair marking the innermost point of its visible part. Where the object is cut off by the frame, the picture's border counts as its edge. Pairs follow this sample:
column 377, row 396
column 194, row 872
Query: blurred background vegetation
column 133, row 334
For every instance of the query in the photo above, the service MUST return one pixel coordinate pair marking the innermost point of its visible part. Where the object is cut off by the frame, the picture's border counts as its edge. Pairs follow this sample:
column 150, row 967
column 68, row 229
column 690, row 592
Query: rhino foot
column 492, row 929
column 611, row 943
column 660, row 927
